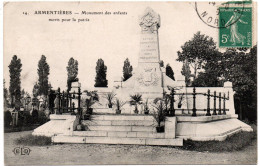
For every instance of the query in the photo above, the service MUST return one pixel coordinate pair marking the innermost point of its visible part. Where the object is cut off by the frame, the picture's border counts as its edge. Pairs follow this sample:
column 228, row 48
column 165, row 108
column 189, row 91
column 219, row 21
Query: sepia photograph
column 130, row 83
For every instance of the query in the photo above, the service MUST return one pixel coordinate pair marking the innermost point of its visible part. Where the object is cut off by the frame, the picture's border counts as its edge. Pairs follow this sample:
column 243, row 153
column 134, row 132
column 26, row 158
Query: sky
column 110, row 37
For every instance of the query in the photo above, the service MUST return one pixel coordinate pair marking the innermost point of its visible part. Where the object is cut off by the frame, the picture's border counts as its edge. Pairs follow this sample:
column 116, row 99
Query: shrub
column 136, row 100
column 146, row 107
column 166, row 101
column 110, row 96
column 34, row 116
column 33, row 140
column 91, row 100
column 42, row 118
column 159, row 114
column 119, row 104
column 7, row 118
column 25, row 118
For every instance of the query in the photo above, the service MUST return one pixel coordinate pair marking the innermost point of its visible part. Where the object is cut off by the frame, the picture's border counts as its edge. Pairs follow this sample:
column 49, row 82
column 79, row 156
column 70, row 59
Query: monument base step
column 123, row 123
column 119, row 123
column 121, row 128
column 116, row 140
column 121, row 134
column 122, row 117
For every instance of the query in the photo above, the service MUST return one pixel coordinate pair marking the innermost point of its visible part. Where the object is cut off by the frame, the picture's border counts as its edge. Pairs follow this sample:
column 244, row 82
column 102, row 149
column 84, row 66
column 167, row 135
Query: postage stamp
column 237, row 23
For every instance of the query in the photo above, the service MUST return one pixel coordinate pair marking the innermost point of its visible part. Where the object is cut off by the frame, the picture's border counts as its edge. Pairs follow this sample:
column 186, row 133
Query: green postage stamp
column 236, row 27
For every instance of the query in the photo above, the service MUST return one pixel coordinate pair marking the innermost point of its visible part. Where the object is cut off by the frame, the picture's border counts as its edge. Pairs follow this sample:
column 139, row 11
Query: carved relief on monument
column 148, row 78
column 149, row 21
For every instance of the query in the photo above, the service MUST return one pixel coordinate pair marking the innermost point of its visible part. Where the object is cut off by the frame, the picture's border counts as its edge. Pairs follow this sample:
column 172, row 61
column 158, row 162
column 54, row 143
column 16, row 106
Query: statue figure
column 235, row 36
column 56, row 104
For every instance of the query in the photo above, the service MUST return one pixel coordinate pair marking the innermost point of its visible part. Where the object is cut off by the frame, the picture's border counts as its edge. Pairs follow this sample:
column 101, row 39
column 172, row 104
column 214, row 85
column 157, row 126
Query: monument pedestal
column 148, row 93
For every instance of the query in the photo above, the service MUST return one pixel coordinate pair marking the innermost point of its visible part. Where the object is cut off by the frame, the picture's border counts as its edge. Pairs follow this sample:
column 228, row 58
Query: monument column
column 149, row 75
column 149, row 43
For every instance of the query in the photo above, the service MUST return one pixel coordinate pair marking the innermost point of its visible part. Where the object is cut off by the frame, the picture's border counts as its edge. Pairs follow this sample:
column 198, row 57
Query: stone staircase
column 119, row 129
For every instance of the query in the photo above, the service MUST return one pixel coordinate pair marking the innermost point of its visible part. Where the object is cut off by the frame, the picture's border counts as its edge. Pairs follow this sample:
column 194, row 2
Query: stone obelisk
column 149, row 75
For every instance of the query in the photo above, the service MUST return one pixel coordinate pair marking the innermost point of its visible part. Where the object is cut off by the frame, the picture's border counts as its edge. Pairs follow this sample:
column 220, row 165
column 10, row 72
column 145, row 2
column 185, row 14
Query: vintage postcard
column 97, row 83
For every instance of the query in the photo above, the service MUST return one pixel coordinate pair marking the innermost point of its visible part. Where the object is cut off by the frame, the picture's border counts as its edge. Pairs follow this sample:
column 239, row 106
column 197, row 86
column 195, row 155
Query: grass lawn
column 232, row 143
column 32, row 140
column 93, row 154
column 18, row 129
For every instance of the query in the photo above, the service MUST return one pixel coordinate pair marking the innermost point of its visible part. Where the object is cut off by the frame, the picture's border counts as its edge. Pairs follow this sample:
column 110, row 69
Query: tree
column 186, row 72
column 127, row 70
column 169, row 72
column 5, row 95
column 35, row 90
column 236, row 65
column 241, row 69
column 72, row 70
column 43, row 73
column 197, row 52
column 207, row 79
column 101, row 74
column 22, row 93
column 15, row 69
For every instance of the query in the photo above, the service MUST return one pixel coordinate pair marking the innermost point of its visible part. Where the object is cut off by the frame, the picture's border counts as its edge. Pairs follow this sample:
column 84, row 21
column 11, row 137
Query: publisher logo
column 22, row 151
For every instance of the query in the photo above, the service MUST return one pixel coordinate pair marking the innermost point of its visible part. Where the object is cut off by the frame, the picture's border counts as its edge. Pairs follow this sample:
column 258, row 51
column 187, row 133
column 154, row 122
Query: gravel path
column 120, row 154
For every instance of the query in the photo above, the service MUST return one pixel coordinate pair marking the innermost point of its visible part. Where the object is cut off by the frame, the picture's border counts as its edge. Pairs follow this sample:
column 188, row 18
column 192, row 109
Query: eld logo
column 22, row 151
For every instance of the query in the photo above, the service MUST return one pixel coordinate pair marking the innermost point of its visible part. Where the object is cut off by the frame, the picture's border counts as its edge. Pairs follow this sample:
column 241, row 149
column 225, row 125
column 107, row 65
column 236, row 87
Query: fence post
column 219, row 109
column 194, row 102
column 63, row 102
column 49, row 100
column 172, row 111
column 224, row 104
column 59, row 99
column 208, row 105
column 79, row 110
column 215, row 110
column 73, row 106
column 67, row 101
column 71, row 103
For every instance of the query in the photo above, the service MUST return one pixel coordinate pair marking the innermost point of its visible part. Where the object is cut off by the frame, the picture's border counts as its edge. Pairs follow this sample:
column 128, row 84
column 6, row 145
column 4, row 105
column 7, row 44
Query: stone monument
column 149, row 79
column 149, row 72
